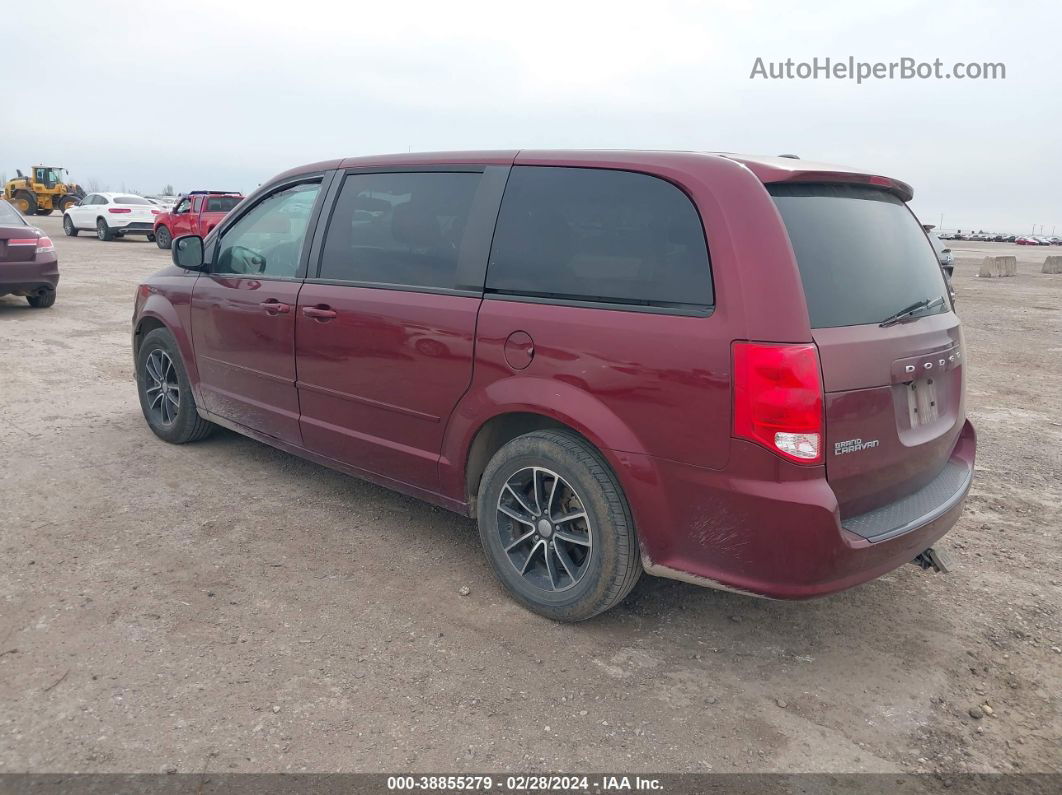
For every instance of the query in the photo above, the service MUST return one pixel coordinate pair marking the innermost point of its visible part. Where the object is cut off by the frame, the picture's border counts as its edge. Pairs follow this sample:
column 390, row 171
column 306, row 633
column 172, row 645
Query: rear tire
column 563, row 568
column 68, row 227
column 41, row 300
column 165, row 392
column 103, row 232
column 163, row 239
column 25, row 202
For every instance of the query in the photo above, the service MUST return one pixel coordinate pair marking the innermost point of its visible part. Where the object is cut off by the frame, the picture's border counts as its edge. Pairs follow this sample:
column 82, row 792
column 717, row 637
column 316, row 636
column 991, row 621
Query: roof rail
column 213, row 193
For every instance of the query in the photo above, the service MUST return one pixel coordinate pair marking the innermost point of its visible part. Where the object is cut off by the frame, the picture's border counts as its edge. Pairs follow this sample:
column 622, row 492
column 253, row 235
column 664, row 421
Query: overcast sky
column 224, row 95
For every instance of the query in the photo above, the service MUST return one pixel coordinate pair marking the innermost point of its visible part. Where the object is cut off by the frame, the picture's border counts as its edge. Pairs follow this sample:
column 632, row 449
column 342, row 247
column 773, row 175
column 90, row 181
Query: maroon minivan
column 741, row 372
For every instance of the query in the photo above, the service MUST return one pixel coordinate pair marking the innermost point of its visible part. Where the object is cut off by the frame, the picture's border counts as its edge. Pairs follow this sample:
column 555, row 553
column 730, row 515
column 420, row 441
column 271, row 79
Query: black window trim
column 654, row 308
column 482, row 215
column 323, row 178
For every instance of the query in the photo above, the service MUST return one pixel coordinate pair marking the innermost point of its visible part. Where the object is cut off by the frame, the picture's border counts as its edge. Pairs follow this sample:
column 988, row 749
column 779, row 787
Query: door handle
column 274, row 307
column 321, row 313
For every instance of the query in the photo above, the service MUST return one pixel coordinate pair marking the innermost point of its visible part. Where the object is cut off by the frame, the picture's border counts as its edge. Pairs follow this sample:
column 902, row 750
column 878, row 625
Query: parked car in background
column 29, row 266
column 1025, row 240
column 111, row 215
column 165, row 202
column 195, row 213
column 944, row 255
column 540, row 340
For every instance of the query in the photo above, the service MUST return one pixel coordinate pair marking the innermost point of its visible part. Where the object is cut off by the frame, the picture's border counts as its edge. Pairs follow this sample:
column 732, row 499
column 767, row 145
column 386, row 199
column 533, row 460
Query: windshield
column 862, row 255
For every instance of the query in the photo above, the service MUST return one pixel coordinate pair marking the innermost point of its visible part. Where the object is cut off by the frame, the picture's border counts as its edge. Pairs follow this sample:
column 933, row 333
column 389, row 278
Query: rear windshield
column 9, row 215
column 862, row 254
column 130, row 200
column 221, row 204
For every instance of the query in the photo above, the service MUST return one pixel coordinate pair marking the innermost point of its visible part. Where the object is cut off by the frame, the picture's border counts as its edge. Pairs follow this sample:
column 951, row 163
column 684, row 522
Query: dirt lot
column 225, row 607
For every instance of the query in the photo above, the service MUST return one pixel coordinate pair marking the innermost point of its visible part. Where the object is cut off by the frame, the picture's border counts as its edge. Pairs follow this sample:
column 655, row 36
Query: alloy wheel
column 544, row 528
column 162, row 388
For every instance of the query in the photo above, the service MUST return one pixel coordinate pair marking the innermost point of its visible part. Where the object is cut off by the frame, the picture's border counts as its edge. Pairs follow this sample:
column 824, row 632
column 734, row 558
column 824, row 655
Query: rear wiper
column 919, row 306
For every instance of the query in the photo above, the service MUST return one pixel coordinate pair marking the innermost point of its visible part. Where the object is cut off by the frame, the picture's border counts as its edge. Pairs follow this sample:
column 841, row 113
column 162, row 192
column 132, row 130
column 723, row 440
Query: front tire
column 25, row 202
column 165, row 392
column 68, row 227
column 103, row 232
column 41, row 300
column 556, row 527
column 163, row 239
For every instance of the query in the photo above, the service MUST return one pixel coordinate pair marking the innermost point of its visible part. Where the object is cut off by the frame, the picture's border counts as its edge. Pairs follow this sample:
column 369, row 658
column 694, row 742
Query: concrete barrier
column 999, row 266
column 1052, row 265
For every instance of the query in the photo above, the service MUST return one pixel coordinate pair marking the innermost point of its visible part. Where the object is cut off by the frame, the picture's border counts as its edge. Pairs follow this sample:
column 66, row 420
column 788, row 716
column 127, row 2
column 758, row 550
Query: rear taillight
column 22, row 241
column 778, row 399
column 45, row 245
column 156, row 212
column 119, row 210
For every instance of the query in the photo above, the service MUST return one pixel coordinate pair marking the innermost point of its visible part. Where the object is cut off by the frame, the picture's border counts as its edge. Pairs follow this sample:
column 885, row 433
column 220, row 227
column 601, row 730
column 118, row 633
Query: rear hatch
column 894, row 392
column 134, row 209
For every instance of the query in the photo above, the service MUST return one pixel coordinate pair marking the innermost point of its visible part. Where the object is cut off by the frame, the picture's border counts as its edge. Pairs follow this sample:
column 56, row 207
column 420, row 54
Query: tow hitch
column 935, row 559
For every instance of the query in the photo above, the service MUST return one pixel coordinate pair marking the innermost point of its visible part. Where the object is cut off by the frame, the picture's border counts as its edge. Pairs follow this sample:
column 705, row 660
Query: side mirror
column 187, row 252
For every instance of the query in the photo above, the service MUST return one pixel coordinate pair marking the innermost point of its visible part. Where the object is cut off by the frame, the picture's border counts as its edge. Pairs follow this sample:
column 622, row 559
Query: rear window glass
column 130, row 200
column 599, row 235
column 9, row 215
column 221, row 204
column 399, row 229
column 862, row 255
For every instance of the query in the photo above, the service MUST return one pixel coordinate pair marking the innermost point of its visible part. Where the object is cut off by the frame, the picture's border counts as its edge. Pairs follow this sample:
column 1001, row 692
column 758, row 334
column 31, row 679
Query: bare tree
column 167, row 190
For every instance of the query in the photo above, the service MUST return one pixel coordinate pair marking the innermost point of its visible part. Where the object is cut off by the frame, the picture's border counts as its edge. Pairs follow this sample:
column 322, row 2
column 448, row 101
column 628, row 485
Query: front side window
column 268, row 239
column 399, row 229
column 599, row 235
column 182, row 206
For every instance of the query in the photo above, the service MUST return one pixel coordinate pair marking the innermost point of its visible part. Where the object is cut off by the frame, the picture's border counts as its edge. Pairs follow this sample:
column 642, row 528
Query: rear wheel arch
column 494, row 434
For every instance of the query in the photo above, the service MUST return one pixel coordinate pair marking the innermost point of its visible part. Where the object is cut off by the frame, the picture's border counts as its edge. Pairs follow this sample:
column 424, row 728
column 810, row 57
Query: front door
column 384, row 337
column 181, row 218
column 243, row 315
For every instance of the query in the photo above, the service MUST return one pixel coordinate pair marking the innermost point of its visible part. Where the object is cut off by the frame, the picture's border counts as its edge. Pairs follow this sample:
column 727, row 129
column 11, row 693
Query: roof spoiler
column 895, row 186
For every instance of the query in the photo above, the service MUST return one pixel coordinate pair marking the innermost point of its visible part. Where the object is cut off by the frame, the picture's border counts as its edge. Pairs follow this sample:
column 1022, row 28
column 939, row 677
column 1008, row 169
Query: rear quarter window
column 599, row 235
column 221, row 204
column 862, row 254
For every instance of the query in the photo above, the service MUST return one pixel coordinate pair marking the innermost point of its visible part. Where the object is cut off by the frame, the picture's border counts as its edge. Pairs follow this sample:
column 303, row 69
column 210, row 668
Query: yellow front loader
column 44, row 190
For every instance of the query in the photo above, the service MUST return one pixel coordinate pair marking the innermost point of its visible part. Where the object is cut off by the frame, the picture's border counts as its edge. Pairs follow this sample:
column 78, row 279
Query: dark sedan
column 28, row 264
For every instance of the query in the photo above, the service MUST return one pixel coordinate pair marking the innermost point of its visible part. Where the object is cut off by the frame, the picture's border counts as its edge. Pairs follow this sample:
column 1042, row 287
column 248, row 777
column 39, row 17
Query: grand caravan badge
column 853, row 446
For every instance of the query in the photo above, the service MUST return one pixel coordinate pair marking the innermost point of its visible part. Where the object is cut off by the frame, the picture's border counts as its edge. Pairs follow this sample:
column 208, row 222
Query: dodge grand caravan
column 741, row 372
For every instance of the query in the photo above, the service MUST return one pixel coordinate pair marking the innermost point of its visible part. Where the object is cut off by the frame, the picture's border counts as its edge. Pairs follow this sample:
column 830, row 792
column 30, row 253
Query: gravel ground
column 226, row 607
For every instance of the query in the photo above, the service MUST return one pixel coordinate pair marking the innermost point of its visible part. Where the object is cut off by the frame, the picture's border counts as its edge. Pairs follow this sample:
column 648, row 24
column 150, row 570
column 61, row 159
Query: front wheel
column 162, row 237
column 165, row 392
column 556, row 527
column 103, row 232
column 68, row 227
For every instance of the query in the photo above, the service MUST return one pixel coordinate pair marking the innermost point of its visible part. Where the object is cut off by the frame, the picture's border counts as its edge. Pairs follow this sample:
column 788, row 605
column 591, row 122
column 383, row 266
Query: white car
column 112, row 215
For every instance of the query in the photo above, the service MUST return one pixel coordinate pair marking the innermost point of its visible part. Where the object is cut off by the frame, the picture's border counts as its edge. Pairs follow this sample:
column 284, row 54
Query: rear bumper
column 27, row 278
column 766, row 528
column 134, row 227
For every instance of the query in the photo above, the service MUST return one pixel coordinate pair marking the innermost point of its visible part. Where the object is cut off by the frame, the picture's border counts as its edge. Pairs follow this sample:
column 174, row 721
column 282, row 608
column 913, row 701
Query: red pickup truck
column 195, row 213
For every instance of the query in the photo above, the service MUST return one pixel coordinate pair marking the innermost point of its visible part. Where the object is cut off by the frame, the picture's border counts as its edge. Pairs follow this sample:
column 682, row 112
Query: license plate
column 922, row 402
